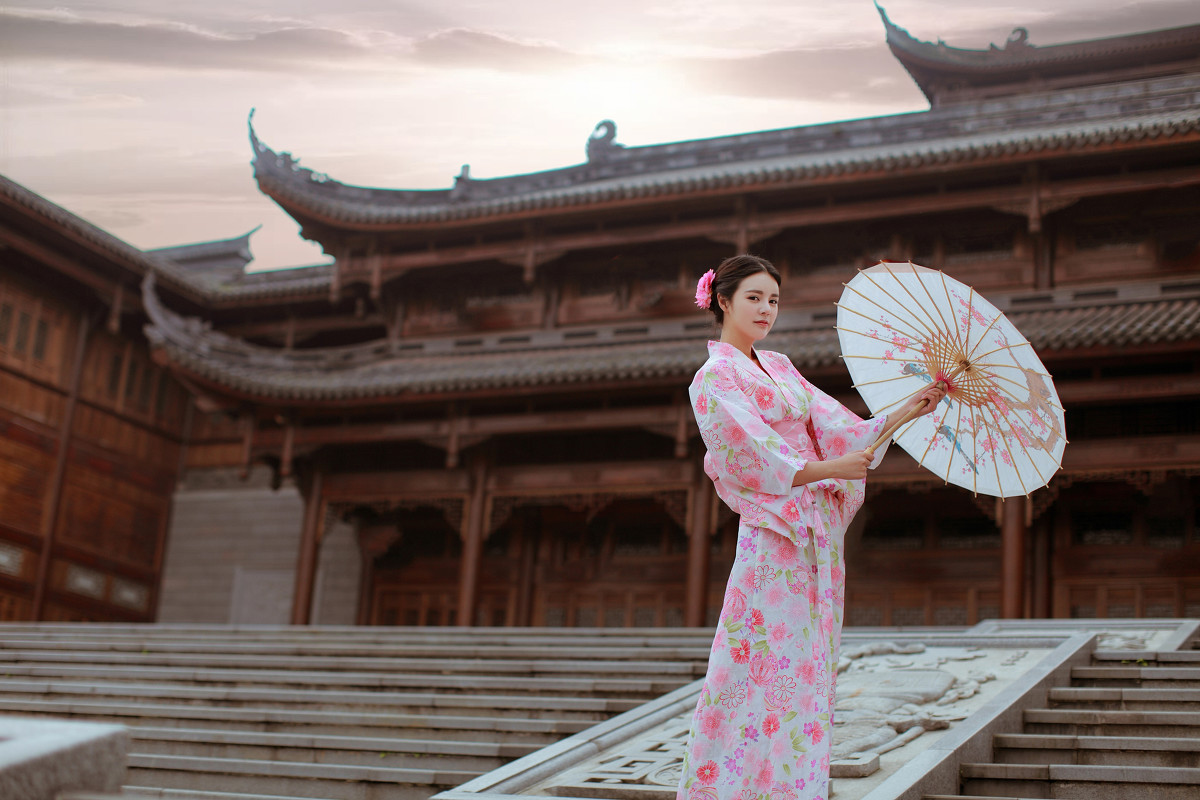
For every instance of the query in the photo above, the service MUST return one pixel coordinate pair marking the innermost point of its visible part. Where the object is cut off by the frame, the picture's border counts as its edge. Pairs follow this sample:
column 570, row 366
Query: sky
column 132, row 113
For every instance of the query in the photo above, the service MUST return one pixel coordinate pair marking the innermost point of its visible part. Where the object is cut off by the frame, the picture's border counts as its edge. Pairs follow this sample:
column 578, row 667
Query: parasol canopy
column 1000, row 429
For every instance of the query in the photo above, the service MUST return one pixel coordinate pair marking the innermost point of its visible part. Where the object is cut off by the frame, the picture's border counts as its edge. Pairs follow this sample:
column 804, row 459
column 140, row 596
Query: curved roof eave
column 295, row 191
column 372, row 372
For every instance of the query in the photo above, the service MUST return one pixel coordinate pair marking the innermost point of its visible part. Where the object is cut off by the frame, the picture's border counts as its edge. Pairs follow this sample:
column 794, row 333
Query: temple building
column 477, row 414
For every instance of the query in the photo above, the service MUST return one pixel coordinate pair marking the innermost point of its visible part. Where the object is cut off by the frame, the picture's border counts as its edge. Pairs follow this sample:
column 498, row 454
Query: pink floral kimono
column 762, row 728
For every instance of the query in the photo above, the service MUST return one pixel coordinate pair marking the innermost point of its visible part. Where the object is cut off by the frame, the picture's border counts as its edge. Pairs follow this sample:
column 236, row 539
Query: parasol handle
column 883, row 437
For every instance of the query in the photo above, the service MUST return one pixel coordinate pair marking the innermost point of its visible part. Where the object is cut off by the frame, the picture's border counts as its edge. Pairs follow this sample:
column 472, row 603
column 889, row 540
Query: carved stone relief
column 888, row 695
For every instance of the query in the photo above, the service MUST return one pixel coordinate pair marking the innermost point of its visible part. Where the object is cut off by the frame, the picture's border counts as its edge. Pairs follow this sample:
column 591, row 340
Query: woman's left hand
column 933, row 394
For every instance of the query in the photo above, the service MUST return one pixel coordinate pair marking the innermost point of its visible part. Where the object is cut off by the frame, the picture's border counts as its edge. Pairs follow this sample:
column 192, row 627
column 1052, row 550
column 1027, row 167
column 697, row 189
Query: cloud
column 478, row 49
column 156, row 44
column 864, row 74
column 1092, row 22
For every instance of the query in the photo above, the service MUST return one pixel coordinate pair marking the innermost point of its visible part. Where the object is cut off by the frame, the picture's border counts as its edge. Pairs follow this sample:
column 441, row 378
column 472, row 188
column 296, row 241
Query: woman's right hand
column 852, row 466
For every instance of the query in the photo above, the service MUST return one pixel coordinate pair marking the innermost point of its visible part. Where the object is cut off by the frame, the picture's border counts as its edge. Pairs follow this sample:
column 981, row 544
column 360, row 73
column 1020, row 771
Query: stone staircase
column 1127, row 728
column 334, row 713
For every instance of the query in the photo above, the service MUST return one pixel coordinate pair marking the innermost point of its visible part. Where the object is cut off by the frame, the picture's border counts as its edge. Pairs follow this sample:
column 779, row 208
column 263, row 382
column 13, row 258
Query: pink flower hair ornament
column 704, row 290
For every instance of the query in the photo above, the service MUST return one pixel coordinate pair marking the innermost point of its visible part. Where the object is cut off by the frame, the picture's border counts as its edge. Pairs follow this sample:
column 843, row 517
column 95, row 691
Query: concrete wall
column 232, row 549
column 339, row 568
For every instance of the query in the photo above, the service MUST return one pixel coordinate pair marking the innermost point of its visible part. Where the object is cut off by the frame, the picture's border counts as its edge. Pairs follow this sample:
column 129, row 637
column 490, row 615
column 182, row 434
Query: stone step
column 346, row 782
column 496, row 666
column 339, row 723
column 429, row 703
column 642, row 688
column 432, row 650
column 665, row 648
column 1134, row 699
column 1133, row 675
column 1023, row 748
column 344, row 750
column 1079, row 722
column 1142, row 658
column 1080, row 782
column 222, row 632
column 142, row 792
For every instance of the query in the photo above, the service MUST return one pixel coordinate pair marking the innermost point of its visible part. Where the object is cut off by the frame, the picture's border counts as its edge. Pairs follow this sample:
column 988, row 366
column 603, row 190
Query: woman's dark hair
column 731, row 273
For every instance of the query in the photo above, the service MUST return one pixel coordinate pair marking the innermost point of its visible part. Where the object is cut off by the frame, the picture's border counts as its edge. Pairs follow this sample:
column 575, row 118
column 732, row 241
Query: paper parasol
column 1000, row 429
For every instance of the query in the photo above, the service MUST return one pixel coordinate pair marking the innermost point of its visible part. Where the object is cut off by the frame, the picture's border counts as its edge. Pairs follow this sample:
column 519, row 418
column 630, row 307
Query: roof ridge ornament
column 1018, row 40
column 601, row 145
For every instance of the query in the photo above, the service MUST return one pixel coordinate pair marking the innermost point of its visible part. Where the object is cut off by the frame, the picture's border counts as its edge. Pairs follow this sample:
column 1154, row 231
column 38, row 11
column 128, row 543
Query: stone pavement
column 334, row 713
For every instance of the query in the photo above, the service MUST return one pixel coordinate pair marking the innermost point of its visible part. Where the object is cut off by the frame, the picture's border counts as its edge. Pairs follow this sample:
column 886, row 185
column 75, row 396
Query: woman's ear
column 723, row 302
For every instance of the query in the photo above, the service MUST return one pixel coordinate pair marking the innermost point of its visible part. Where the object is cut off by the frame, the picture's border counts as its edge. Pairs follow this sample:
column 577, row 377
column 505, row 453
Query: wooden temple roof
column 1063, row 320
column 943, row 72
column 1021, row 128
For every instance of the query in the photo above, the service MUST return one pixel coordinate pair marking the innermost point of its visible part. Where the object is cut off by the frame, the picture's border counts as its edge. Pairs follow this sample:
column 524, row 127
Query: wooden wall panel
column 35, row 329
column 31, row 400
column 14, row 606
column 111, row 516
column 206, row 455
column 25, row 471
column 140, row 444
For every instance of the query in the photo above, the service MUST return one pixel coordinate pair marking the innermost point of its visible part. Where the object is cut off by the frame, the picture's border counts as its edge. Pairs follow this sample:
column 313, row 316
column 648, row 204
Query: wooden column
column 310, row 540
column 53, row 505
column 699, row 545
column 1013, row 533
column 472, row 536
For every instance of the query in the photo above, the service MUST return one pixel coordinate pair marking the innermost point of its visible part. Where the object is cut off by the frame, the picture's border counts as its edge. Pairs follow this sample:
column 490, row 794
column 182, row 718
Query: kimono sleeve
column 743, row 449
column 839, row 430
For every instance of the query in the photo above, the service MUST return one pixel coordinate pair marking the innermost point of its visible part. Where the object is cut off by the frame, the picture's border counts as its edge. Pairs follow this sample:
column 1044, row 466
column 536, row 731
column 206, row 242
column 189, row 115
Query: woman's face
column 750, row 312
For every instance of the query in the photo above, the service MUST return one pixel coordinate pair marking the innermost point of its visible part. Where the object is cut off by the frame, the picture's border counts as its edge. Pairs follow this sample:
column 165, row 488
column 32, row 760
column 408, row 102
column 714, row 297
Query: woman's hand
column 852, row 466
column 933, row 394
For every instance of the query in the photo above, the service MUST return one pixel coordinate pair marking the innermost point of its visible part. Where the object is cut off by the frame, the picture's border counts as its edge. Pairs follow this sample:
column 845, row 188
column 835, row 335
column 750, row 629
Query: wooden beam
column 1013, row 533
column 582, row 477
column 699, row 546
column 466, row 427
column 364, row 487
column 53, row 507
column 473, row 534
column 306, row 562
column 89, row 277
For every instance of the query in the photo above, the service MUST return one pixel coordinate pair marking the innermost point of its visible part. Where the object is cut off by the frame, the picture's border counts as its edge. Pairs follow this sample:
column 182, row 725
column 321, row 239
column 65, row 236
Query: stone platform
column 914, row 706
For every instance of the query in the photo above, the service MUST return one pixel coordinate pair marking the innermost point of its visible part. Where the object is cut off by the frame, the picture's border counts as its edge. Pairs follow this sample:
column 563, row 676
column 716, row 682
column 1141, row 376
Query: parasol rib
column 915, row 336
column 995, row 459
column 970, row 317
column 932, row 330
column 1008, row 366
column 870, row 336
column 945, row 327
column 1021, row 442
column 892, row 310
column 882, row 380
column 983, row 336
column 962, row 346
column 889, row 311
column 1013, row 458
column 929, row 444
column 954, row 443
column 974, row 454
column 1009, row 392
column 975, row 358
column 913, row 297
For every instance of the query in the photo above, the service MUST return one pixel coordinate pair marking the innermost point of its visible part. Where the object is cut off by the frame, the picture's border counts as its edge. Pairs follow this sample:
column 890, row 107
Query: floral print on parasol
column 1000, row 429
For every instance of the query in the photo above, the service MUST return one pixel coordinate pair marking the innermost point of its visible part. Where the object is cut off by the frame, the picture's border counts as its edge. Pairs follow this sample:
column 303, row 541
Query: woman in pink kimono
column 789, row 460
